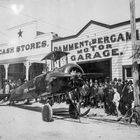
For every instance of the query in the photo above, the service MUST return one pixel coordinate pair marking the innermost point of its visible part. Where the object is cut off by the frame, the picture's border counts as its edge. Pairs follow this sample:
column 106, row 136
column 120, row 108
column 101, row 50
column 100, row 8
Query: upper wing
column 59, row 74
column 55, row 55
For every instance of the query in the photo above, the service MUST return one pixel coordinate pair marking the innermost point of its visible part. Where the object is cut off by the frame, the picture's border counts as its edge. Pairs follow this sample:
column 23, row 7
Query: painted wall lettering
column 121, row 37
column 31, row 46
column 95, row 55
column 7, row 51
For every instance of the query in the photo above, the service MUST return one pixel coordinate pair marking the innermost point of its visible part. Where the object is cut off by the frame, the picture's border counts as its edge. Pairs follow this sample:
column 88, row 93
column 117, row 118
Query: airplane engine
column 69, row 68
column 63, row 83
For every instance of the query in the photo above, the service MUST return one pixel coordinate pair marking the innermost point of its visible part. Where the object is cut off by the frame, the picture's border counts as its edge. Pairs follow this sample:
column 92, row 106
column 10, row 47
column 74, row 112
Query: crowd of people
column 116, row 97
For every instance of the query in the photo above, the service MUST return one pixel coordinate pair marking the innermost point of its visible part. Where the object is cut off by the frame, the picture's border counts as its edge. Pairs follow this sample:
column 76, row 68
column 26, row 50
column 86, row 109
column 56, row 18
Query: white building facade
column 21, row 56
column 101, row 48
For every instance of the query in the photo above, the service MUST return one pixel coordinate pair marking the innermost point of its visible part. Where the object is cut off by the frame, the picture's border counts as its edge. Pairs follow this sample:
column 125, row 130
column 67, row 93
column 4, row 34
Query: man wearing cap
column 119, row 87
column 130, row 97
column 115, row 81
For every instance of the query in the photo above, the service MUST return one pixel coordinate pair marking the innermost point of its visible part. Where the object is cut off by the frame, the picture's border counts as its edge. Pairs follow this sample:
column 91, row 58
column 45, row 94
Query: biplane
column 64, row 81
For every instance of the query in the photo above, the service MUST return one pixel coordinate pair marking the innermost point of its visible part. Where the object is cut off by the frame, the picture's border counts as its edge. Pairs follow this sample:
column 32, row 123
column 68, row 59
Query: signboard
column 95, row 48
column 36, row 47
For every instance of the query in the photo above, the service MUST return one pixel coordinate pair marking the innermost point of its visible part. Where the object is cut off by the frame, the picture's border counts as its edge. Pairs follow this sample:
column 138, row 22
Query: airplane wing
column 59, row 74
column 92, row 75
column 50, row 82
column 55, row 55
column 39, row 85
column 20, row 92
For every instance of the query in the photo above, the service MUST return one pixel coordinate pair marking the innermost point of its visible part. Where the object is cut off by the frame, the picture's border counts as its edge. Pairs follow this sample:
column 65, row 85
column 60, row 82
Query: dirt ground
column 25, row 123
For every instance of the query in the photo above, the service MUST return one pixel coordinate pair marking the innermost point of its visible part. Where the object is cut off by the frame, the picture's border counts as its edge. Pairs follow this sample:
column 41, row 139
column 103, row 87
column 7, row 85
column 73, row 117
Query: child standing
column 116, row 100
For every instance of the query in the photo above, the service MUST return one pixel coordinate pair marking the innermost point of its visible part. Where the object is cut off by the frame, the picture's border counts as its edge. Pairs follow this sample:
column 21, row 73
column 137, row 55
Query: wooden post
column 134, row 53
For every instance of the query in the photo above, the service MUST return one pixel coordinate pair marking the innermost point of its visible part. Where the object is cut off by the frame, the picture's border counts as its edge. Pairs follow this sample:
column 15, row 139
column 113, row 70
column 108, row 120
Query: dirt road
column 24, row 124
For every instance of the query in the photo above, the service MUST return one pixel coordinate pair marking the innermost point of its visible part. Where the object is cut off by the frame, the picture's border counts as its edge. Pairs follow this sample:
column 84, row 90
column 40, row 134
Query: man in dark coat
column 127, row 98
column 108, row 101
column 119, row 86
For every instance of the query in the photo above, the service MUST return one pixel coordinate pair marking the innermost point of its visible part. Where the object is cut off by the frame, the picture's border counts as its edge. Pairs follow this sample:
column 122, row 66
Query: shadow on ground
column 59, row 113
column 56, row 111
column 63, row 114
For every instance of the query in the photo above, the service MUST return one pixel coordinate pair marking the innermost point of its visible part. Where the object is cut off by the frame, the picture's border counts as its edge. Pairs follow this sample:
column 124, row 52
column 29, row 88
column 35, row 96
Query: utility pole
column 134, row 53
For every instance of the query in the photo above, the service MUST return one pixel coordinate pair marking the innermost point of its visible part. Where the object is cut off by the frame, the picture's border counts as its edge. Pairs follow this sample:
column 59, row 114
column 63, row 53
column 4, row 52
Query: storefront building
column 23, row 58
column 101, row 49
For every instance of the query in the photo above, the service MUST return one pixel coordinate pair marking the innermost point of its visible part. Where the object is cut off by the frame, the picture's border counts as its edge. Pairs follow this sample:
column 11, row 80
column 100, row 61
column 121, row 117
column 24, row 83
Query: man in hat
column 130, row 93
column 119, row 87
column 96, row 93
column 108, row 99
column 127, row 97
column 115, row 81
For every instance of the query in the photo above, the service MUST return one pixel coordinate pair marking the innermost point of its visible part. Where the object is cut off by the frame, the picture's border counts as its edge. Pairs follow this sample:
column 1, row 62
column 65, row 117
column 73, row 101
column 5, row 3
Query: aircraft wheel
column 73, row 112
column 137, row 119
column 47, row 113
column 137, row 115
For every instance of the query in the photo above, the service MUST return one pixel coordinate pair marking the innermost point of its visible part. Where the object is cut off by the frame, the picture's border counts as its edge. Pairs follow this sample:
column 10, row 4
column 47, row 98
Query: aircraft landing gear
column 75, row 107
column 73, row 112
column 136, row 114
column 47, row 113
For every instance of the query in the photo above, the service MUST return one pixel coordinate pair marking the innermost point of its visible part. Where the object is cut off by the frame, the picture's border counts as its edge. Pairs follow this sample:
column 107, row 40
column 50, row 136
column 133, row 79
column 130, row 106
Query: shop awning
column 32, row 58
column 13, row 60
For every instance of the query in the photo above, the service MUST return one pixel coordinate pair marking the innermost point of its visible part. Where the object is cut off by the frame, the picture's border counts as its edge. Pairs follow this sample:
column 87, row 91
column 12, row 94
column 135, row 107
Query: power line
column 5, row 35
column 42, row 20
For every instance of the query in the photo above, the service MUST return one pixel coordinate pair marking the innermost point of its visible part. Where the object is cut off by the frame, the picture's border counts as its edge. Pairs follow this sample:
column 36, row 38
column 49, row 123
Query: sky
column 64, row 17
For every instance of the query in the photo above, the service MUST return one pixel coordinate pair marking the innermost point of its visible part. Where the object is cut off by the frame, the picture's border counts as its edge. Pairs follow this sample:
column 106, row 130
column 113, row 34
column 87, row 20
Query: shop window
column 16, row 68
column 35, row 70
column 16, row 71
column 129, row 72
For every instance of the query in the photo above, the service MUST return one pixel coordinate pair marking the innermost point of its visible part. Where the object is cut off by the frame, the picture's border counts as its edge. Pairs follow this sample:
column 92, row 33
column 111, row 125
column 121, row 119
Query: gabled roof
column 96, row 23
